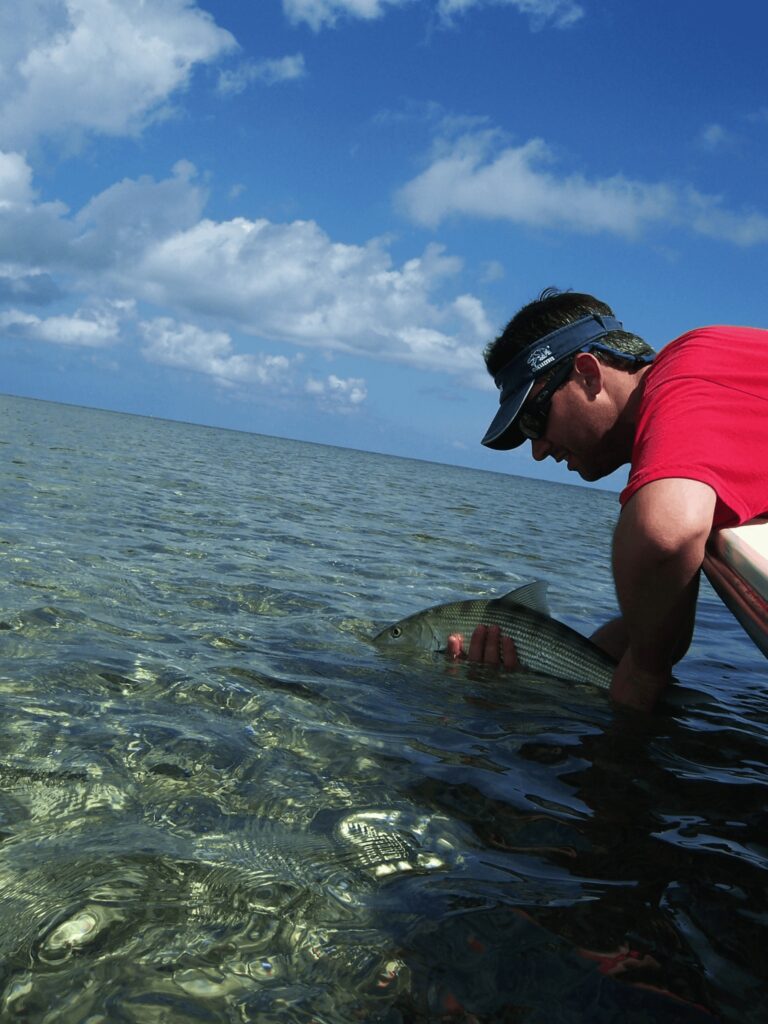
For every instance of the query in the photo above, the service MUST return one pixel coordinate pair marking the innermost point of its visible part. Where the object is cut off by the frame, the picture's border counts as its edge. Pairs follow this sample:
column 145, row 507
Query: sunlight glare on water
column 220, row 803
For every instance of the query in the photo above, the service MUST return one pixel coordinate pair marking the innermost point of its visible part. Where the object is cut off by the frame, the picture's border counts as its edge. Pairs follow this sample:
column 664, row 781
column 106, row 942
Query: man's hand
column 487, row 646
column 631, row 685
column 612, row 638
column 636, row 687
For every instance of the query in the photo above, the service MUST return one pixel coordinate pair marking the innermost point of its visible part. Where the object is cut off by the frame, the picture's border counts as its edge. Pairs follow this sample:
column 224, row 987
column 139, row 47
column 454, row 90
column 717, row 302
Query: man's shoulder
column 710, row 349
column 717, row 335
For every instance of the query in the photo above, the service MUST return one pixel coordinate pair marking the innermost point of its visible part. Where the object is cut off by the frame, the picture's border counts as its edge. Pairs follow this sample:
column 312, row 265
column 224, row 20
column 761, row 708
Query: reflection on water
column 219, row 803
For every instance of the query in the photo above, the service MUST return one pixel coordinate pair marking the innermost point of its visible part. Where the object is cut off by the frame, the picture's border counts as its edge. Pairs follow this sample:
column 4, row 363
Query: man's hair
column 554, row 309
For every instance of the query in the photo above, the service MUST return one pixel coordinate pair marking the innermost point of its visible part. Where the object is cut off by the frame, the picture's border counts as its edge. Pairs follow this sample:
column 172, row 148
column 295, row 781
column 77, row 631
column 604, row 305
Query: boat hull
column 736, row 564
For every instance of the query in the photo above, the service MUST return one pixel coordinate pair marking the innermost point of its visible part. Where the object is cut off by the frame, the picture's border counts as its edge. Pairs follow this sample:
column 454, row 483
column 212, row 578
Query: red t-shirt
column 704, row 416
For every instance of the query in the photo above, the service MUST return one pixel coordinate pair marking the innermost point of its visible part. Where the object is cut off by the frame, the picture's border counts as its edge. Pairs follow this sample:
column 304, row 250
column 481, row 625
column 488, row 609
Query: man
column 692, row 422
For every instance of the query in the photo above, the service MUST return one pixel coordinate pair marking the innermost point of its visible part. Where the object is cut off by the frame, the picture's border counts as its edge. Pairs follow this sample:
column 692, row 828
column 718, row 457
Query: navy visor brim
column 518, row 376
column 504, row 433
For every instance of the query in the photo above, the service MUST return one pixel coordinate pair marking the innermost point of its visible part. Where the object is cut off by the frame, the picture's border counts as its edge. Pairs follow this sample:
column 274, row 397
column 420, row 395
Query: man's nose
column 540, row 449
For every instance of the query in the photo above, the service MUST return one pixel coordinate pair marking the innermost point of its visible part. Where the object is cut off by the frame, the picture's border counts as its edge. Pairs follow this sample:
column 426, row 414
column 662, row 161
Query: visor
column 516, row 379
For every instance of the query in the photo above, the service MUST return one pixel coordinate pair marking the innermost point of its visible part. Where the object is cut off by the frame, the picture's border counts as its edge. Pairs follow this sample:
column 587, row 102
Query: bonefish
column 543, row 644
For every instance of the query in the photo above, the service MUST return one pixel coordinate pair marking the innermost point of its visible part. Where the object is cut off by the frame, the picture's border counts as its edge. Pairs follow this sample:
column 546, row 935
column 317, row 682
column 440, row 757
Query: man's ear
column 589, row 369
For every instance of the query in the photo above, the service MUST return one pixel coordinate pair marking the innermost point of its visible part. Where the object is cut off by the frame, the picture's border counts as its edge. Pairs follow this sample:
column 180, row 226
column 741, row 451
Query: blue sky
column 307, row 217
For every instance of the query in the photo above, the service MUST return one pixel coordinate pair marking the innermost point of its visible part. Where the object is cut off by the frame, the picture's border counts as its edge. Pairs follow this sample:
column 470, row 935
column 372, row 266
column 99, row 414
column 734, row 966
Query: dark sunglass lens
column 531, row 426
column 533, row 421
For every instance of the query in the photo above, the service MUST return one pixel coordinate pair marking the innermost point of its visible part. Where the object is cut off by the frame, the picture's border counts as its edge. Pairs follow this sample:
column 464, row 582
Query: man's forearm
column 659, row 607
column 658, row 599
column 658, row 550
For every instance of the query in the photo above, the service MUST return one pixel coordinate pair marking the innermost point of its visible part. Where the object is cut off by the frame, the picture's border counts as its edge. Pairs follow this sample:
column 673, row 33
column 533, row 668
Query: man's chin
column 588, row 474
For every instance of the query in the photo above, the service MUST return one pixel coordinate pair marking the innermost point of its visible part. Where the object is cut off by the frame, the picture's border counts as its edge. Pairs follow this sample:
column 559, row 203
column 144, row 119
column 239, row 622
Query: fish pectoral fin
column 532, row 595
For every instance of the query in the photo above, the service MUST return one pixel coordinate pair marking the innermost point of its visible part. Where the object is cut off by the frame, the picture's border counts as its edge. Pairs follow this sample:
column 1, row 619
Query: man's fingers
column 454, row 647
column 509, row 654
column 477, row 645
column 491, row 649
column 487, row 646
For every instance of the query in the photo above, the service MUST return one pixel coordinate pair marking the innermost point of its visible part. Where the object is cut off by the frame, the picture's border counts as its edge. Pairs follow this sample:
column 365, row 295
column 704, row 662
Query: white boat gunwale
column 736, row 564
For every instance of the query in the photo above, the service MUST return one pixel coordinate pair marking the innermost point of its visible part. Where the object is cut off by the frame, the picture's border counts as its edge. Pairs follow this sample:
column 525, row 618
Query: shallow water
column 218, row 802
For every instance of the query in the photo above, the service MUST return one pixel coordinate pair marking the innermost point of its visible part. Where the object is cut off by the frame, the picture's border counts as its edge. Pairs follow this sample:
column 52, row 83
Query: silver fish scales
column 543, row 644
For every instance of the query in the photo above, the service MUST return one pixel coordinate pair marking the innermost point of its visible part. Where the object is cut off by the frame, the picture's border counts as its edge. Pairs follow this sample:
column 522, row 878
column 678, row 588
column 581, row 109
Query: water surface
column 218, row 802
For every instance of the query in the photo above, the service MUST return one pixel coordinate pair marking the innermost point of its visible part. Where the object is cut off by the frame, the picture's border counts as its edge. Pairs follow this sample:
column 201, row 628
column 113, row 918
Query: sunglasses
column 532, row 421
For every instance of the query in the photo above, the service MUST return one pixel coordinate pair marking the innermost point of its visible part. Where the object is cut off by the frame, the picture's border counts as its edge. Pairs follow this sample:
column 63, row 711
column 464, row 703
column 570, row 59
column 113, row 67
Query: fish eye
column 396, row 632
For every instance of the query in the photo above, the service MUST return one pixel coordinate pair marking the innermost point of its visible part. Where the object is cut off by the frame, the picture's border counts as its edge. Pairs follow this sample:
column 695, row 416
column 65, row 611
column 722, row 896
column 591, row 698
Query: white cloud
column 561, row 13
column 189, row 347
column 337, row 394
column 473, row 176
column 715, row 137
column 120, row 223
column 271, row 72
column 98, row 327
column 472, row 312
column 291, row 282
column 321, row 13
column 35, row 236
column 107, row 66
column 492, row 271
column 15, row 180
column 110, row 230
column 33, row 288
column 186, row 346
column 281, row 282
column 24, row 27
column 516, row 184
column 707, row 217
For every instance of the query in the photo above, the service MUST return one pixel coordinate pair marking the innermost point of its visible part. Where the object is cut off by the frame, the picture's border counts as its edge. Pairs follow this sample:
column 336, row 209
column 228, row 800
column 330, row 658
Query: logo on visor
column 539, row 358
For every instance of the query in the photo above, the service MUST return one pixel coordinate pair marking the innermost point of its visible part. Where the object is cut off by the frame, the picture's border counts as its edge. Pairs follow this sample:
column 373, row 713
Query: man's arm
column 658, row 548
column 612, row 638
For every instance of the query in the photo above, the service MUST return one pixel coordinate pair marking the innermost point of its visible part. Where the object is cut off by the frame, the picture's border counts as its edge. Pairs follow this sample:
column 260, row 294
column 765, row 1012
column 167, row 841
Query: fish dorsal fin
column 532, row 595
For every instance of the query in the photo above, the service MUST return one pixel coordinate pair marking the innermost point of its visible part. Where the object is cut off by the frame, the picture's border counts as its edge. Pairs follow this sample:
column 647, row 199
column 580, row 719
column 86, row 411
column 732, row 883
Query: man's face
column 580, row 426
